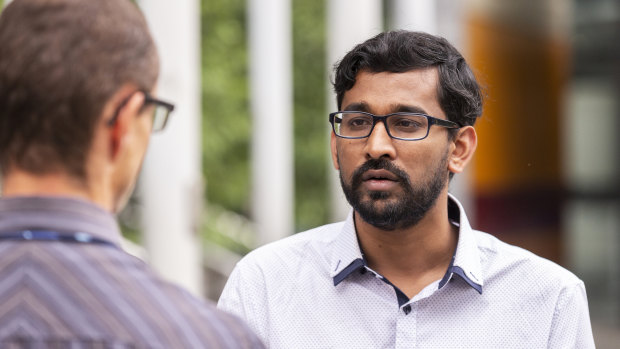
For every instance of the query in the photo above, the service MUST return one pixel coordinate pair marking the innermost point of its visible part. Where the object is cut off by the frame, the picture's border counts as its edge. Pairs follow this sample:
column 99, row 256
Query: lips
column 379, row 175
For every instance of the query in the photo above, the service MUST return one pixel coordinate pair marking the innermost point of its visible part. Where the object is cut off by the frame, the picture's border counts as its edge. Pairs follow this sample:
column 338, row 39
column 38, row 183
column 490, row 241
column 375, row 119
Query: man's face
column 393, row 183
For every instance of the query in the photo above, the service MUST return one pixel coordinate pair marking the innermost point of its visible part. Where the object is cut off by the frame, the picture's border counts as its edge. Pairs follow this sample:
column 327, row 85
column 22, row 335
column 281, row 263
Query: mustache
column 379, row 164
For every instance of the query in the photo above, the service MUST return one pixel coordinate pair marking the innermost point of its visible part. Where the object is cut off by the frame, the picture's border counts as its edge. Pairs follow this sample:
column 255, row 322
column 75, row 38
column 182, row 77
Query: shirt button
column 407, row 309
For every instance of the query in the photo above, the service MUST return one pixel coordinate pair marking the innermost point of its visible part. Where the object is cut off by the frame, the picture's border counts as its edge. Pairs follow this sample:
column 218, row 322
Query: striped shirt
column 91, row 294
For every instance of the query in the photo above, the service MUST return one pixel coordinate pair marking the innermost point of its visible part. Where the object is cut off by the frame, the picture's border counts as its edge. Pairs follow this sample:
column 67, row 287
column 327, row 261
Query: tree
column 226, row 115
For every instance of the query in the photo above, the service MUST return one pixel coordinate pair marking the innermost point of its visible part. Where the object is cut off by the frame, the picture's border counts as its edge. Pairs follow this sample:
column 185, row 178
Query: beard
column 389, row 211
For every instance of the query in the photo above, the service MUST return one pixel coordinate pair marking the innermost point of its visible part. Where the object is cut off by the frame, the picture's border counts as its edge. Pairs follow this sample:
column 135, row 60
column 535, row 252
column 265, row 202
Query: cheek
column 348, row 159
column 418, row 162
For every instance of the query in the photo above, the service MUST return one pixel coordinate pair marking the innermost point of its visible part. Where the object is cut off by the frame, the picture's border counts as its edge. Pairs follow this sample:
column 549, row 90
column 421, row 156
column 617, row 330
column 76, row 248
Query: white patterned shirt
column 313, row 290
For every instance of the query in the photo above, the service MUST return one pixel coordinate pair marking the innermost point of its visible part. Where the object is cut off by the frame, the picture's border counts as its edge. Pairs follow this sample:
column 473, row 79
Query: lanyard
column 46, row 235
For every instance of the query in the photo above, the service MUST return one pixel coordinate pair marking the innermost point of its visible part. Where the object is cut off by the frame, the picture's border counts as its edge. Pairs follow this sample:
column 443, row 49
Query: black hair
column 459, row 94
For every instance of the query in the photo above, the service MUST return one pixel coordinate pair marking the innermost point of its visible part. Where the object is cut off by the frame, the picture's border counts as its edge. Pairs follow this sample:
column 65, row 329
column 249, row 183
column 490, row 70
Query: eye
column 359, row 121
column 408, row 122
column 356, row 121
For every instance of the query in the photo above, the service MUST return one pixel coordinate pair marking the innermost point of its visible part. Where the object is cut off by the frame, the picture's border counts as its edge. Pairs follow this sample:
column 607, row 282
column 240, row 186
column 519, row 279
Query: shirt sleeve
column 244, row 296
column 571, row 326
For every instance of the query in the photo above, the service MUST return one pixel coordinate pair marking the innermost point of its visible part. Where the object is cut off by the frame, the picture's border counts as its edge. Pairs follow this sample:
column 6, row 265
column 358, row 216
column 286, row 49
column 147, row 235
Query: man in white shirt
column 405, row 269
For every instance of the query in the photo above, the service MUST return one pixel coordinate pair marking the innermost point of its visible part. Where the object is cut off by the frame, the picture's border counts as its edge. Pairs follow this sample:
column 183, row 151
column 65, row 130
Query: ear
column 125, row 121
column 334, row 150
column 463, row 148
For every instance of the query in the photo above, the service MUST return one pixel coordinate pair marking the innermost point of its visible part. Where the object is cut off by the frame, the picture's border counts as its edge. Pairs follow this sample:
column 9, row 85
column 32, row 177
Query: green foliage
column 226, row 116
column 129, row 218
column 311, row 126
column 228, row 229
column 226, row 127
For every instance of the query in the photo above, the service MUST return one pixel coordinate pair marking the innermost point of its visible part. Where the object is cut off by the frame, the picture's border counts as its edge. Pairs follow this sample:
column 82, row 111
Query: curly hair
column 459, row 94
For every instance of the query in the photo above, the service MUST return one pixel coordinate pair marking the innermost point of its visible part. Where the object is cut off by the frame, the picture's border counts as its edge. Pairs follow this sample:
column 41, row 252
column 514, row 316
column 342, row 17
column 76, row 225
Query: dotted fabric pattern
column 285, row 292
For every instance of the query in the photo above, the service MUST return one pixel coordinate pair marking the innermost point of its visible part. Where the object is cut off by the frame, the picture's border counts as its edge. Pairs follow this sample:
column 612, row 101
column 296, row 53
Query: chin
column 378, row 195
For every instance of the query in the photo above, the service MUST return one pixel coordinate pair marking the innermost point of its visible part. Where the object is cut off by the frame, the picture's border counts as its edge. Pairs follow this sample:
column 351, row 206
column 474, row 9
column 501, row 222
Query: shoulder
column 107, row 293
column 280, row 265
column 286, row 254
column 543, row 293
column 267, row 277
column 202, row 320
column 502, row 260
column 174, row 316
column 213, row 322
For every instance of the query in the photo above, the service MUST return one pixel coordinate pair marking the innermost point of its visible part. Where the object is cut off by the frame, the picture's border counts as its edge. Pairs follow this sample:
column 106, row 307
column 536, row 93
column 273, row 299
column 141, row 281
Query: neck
column 413, row 257
column 21, row 183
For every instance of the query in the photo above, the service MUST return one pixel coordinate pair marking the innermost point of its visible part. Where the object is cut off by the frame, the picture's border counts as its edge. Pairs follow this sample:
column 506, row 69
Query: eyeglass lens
column 160, row 117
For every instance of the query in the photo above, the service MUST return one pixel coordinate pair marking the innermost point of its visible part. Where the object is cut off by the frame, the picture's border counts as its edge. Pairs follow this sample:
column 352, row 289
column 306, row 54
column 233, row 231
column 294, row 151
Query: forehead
column 386, row 92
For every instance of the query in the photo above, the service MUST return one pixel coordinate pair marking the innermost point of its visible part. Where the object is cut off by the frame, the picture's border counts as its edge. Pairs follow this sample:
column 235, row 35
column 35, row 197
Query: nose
column 379, row 143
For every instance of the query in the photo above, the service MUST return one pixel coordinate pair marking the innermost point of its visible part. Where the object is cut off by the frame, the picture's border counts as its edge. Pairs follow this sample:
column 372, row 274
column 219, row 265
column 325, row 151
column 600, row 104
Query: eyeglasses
column 404, row 126
column 161, row 112
column 159, row 115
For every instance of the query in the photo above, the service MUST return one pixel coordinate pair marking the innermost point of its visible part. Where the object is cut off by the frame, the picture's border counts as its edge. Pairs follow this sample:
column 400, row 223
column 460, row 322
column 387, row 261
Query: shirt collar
column 60, row 214
column 347, row 256
column 466, row 259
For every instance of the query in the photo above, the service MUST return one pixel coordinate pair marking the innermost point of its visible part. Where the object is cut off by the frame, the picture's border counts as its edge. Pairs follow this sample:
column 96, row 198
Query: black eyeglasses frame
column 376, row 118
column 148, row 99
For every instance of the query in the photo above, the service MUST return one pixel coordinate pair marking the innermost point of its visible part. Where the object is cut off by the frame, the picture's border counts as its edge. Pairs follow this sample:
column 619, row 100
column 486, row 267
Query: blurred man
column 405, row 270
column 77, row 80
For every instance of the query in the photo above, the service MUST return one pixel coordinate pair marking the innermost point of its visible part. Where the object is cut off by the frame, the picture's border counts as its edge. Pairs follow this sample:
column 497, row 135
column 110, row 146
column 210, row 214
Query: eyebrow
column 358, row 106
column 397, row 108
column 402, row 108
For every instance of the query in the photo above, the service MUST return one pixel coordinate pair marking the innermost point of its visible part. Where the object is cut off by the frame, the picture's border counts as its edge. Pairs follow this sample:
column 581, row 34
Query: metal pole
column 272, row 112
column 171, row 184
column 349, row 23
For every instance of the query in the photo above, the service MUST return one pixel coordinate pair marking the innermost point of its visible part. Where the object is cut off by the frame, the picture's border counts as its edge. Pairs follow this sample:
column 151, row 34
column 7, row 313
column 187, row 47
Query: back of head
column 401, row 51
column 61, row 61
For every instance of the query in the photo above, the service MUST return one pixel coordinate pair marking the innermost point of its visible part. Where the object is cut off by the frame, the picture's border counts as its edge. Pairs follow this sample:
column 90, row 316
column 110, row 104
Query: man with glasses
column 405, row 269
column 77, row 80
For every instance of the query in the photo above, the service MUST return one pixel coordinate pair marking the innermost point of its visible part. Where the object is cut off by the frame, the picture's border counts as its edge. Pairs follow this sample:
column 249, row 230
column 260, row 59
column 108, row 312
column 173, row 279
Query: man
column 405, row 270
column 76, row 112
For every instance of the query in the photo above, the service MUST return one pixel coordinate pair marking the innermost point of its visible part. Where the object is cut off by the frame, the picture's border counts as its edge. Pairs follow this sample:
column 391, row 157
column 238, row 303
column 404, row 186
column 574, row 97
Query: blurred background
column 245, row 158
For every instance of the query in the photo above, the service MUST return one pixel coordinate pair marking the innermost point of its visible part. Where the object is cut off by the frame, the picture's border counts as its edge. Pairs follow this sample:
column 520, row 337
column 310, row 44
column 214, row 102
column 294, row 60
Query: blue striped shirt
column 65, row 294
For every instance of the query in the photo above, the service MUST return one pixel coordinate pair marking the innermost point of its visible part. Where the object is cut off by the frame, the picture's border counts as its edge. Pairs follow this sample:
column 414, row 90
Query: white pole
column 451, row 25
column 349, row 22
column 272, row 112
column 171, row 185
column 418, row 15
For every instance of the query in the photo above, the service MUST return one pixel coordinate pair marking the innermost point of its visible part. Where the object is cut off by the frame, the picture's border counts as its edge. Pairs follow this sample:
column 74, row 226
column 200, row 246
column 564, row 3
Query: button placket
column 406, row 326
